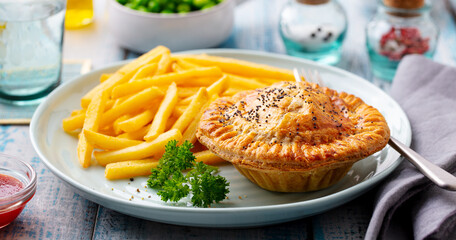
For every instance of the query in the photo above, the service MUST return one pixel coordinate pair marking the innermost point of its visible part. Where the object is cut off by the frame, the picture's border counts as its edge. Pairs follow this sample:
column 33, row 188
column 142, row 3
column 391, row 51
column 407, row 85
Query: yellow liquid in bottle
column 79, row 13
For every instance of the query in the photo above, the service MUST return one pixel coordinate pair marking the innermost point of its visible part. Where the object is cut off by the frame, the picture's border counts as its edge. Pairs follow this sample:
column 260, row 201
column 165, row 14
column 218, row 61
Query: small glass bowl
column 12, row 205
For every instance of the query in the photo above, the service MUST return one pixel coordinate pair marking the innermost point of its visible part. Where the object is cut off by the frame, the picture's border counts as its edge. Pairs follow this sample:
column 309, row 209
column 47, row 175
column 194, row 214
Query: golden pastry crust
column 292, row 127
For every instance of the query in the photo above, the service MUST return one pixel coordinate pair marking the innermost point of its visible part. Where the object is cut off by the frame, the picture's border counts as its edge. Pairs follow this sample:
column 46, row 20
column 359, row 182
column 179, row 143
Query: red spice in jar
column 399, row 42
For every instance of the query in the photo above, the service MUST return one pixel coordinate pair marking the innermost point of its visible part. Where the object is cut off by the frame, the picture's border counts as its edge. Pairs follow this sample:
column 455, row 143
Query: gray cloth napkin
column 407, row 204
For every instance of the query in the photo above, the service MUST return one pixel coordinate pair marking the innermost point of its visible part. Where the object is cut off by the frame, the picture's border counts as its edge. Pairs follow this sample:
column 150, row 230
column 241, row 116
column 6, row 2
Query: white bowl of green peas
column 140, row 25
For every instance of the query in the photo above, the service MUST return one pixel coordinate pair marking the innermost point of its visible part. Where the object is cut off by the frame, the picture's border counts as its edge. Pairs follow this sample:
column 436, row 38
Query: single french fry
column 79, row 111
column 190, row 132
column 124, row 73
column 145, row 71
column 108, row 130
column 193, row 108
column 164, row 112
column 245, row 83
column 164, row 65
column 164, row 80
column 137, row 122
column 130, row 169
column 106, row 142
column 240, row 67
column 184, row 64
column 114, row 102
column 198, row 82
column 131, row 105
column 136, row 135
column 105, row 76
column 140, row 151
column 218, row 87
column 208, row 157
column 73, row 123
column 178, row 111
column 115, row 124
column 176, row 68
column 184, row 92
column 268, row 81
column 91, row 122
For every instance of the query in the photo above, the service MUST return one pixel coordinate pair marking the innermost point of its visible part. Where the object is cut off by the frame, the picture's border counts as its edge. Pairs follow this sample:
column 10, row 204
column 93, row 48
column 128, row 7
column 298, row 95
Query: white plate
column 248, row 205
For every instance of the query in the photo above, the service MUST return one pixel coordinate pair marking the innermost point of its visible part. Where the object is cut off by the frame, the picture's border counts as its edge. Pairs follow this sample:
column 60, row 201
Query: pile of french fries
column 126, row 120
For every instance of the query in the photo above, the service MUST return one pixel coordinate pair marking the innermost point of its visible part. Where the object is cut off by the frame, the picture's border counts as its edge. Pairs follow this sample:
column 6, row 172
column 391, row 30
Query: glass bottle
column 79, row 13
column 399, row 28
column 313, row 29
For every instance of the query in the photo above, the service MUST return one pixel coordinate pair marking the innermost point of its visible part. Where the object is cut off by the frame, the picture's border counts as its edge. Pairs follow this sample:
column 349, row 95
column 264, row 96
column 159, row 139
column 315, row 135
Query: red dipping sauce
column 9, row 185
column 17, row 187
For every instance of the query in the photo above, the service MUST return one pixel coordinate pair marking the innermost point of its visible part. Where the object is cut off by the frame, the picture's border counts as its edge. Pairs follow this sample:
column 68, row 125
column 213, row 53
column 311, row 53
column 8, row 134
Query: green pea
column 153, row 6
column 207, row 6
column 143, row 2
column 143, row 9
column 132, row 5
column 183, row 8
column 166, row 11
column 200, row 3
column 170, row 6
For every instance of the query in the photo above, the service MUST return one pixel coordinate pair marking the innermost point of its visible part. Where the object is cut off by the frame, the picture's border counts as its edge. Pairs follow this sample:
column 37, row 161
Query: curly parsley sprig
column 202, row 181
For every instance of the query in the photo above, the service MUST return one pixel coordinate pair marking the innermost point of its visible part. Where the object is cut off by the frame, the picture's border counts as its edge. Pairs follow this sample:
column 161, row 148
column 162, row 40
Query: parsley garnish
column 201, row 181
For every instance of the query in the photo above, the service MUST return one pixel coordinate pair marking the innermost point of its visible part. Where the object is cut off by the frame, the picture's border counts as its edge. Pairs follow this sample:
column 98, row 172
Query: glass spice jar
column 313, row 29
column 399, row 28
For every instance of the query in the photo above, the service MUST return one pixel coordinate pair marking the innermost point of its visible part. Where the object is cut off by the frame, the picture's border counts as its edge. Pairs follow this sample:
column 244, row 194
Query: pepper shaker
column 313, row 29
column 399, row 28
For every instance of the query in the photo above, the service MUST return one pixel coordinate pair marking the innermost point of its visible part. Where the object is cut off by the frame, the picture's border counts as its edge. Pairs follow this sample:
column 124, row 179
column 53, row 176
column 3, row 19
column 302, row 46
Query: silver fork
column 436, row 174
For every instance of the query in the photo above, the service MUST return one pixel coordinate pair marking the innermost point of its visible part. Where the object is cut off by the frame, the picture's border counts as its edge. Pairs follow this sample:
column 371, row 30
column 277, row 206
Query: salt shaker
column 399, row 28
column 313, row 29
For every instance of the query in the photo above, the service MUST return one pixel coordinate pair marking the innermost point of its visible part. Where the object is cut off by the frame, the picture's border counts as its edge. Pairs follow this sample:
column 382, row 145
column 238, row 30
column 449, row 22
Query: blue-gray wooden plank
column 114, row 225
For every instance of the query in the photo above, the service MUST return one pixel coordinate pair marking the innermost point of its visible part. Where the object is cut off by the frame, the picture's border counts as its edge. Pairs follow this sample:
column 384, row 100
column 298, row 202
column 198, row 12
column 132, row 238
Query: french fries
column 140, row 151
column 193, row 108
column 190, row 132
column 208, row 157
column 128, row 118
column 106, row 142
column 129, row 169
column 164, row 112
column 240, row 67
column 164, row 80
column 137, row 122
column 124, row 73
column 91, row 122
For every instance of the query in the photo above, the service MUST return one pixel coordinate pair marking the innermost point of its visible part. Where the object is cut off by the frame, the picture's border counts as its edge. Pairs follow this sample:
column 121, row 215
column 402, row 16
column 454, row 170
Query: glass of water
column 31, row 35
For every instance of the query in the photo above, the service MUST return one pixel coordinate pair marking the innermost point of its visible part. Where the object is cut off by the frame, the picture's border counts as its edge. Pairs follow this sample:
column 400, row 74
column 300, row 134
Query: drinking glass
column 31, row 35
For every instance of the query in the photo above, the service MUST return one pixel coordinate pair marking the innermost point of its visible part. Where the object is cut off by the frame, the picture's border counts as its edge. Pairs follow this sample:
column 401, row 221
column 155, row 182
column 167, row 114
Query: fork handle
column 436, row 174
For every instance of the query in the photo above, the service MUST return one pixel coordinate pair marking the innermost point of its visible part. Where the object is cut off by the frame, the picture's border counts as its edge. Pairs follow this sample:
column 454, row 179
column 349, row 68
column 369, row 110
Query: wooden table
column 56, row 212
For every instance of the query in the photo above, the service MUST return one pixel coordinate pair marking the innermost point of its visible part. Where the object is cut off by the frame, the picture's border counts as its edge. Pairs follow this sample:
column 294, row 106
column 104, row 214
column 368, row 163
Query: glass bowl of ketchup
column 17, row 187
